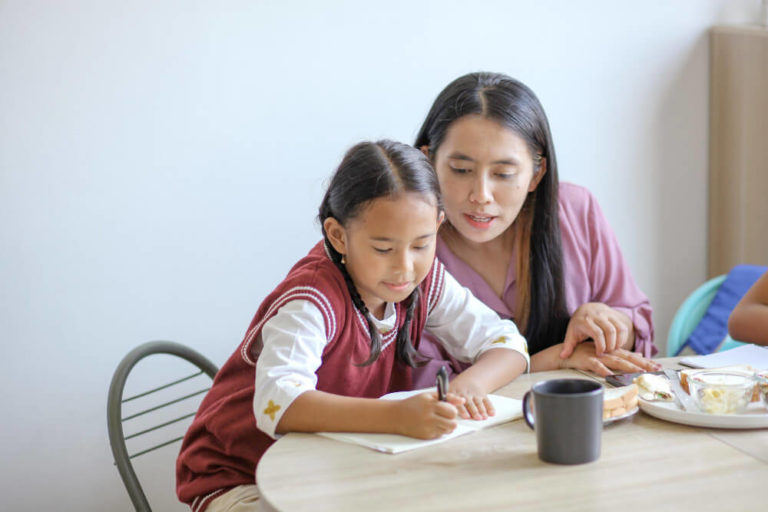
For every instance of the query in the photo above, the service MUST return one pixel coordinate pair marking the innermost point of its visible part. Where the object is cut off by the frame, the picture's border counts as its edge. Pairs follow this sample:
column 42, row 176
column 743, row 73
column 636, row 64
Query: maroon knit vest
column 223, row 444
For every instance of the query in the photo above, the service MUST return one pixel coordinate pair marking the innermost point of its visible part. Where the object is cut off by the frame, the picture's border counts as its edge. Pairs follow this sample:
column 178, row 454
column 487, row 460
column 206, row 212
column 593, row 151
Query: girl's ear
column 537, row 177
column 425, row 149
column 336, row 235
column 440, row 218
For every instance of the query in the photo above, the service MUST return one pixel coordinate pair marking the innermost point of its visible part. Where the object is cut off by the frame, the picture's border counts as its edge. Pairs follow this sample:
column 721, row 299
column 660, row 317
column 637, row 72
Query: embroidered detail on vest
column 271, row 409
column 387, row 338
column 309, row 293
column 436, row 286
column 502, row 339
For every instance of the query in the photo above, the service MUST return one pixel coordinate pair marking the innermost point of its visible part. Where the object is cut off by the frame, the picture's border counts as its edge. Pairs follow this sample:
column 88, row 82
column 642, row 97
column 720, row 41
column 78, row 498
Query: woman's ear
column 440, row 218
column 538, row 176
column 336, row 235
column 425, row 149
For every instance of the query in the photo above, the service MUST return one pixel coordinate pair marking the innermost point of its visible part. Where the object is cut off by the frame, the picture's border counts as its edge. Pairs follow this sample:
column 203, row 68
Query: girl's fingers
column 447, row 410
column 472, row 409
column 489, row 408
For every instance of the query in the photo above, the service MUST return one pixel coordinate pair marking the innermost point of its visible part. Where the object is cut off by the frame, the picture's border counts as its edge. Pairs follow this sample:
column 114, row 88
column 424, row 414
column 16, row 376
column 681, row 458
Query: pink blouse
column 594, row 271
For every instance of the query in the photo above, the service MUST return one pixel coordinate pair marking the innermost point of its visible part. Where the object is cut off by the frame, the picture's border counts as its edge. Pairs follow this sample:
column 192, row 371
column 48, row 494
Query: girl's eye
column 458, row 170
column 421, row 247
column 505, row 175
column 381, row 251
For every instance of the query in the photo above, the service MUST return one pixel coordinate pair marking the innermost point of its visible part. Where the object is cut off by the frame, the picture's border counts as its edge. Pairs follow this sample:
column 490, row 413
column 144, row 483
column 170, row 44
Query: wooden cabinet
column 738, row 142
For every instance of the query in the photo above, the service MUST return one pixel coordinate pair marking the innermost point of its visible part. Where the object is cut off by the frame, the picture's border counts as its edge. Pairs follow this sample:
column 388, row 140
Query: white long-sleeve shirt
column 292, row 343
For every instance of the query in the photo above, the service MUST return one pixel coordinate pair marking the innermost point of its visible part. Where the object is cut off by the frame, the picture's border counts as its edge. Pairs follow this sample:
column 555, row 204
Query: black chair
column 171, row 395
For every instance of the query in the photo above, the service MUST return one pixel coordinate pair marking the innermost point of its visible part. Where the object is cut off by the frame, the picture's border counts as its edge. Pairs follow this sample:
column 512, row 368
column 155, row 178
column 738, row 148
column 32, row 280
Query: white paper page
column 393, row 443
column 753, row 355
column 507, row 409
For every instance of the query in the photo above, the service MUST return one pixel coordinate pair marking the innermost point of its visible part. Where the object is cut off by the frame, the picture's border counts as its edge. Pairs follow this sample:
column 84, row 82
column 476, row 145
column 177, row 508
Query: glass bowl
column 721, row 392
column 762, row 386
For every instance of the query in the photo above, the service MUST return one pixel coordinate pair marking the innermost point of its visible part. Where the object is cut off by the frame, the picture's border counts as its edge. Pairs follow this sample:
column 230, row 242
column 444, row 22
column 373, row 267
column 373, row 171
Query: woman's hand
column 585, row 357
column 608, row 328
column 423, row 416
column 477, row 405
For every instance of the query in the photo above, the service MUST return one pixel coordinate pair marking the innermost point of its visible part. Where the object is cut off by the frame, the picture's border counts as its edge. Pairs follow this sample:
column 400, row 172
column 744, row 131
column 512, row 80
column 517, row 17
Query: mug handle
column 527, row 412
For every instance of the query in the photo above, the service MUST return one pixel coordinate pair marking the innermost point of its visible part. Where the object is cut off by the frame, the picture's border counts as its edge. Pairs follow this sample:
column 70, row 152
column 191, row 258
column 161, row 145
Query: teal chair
column 690, row 313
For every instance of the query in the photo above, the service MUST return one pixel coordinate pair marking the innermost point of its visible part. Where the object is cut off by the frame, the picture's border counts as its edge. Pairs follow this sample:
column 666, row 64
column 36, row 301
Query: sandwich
column 618, row 401
column 653, row 387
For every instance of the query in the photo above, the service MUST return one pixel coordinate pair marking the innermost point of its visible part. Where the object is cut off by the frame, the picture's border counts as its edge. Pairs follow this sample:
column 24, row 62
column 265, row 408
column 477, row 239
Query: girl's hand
column 585, row 357
column 477, row 405
column 423, row 416
column 608, row 328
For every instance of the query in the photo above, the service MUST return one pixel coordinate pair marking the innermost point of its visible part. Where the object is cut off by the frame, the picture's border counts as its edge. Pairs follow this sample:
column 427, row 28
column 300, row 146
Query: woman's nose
column 481, row 191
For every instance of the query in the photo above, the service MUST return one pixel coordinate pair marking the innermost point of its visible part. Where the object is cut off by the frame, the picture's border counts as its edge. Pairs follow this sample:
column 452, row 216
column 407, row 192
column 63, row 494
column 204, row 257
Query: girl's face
column 389, row 247
column 485, row 171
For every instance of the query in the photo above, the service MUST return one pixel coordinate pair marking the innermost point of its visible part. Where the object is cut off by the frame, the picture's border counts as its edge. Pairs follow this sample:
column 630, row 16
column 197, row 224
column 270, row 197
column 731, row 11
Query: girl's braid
column 358, row 302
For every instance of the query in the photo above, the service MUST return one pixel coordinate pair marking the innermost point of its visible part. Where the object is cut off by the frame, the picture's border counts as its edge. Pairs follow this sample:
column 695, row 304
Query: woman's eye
column 421, row 247
column 459, row 170
column 381, row 251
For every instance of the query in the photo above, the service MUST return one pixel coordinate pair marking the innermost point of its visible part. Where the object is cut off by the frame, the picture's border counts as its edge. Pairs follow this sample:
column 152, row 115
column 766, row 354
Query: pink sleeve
column 596, row 252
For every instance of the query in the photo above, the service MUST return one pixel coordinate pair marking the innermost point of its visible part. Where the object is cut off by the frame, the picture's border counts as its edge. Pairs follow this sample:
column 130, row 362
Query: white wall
column 161, row 164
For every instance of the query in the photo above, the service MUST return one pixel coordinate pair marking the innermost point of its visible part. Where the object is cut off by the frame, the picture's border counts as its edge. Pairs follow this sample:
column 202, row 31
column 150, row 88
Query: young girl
column 533, row 251
column 344, row 328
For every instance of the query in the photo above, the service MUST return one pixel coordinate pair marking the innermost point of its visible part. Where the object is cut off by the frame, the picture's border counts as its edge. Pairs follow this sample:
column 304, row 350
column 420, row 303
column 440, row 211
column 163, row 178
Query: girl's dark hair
column 372, row 170
column 541, row 312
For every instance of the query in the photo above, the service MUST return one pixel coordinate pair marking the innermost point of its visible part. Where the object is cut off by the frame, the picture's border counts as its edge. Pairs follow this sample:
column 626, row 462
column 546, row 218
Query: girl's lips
column 398, row 287
column 479, row 221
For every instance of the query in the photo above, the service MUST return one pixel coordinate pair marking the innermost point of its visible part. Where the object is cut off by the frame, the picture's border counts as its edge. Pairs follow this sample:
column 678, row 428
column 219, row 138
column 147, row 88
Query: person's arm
column 290, row 349
column 617, row 313
column 749, row 319
column 472, row 332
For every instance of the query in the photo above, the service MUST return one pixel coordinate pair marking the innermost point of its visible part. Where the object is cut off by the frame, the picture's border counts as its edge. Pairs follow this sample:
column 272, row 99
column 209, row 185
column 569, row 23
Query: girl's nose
column 404, row 263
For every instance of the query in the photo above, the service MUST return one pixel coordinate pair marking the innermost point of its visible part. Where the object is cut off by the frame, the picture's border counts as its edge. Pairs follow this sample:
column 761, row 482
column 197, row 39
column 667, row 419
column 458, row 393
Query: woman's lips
column 479, row 221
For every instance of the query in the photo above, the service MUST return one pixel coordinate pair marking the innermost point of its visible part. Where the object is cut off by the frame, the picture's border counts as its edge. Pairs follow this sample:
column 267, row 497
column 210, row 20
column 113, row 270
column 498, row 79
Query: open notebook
column 753, row 355
column 507, row 409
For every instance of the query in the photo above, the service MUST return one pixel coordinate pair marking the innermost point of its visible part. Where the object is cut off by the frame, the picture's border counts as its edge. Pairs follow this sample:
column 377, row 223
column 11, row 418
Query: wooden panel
column 738, row 181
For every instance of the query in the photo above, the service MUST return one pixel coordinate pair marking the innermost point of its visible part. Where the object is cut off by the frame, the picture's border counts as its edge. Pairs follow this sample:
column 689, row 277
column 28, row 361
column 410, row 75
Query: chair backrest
column 171, row 395
column 690, row 313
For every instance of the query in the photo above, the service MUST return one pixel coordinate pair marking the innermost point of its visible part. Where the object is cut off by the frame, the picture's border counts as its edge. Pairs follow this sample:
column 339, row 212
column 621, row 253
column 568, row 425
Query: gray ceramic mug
column 567, row 416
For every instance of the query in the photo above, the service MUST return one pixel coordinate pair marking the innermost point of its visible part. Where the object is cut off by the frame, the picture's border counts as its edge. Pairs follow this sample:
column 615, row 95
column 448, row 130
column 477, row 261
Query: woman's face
column 485, row 171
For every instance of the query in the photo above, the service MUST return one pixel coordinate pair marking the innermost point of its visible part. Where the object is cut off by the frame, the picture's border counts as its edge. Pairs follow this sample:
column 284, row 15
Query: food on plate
column 653, row 387
column 618, row 401
column 722, row 392
column 743, row 369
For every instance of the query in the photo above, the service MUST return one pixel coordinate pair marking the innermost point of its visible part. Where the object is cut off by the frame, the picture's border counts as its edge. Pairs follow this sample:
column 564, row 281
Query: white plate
column 608, row 421
column 756, row 416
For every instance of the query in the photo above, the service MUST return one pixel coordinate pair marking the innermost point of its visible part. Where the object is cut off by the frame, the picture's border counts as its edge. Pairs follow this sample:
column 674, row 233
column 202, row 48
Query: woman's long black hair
column 513, row 105
column 372, row 170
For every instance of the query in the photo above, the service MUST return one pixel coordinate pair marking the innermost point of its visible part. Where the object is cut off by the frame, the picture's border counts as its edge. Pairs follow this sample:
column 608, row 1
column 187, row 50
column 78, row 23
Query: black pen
column 442, row 383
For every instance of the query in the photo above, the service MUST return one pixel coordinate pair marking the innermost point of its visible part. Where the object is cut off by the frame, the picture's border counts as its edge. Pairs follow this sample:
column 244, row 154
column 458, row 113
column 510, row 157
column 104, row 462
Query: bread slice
column 618, row 401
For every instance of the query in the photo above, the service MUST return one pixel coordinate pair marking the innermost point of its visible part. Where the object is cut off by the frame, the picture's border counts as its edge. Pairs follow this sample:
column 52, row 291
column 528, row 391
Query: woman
column 533, row 250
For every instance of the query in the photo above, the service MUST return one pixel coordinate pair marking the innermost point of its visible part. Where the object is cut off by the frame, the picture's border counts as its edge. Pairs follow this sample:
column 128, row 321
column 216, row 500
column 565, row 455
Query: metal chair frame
column 115, row 403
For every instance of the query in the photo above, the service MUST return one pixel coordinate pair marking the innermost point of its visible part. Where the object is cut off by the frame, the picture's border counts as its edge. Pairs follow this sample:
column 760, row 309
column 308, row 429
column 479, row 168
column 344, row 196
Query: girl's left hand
column 477, row 405
column 609, row 328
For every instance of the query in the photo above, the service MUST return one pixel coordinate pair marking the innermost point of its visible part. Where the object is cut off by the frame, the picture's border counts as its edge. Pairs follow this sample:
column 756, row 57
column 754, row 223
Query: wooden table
column 646, row 464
